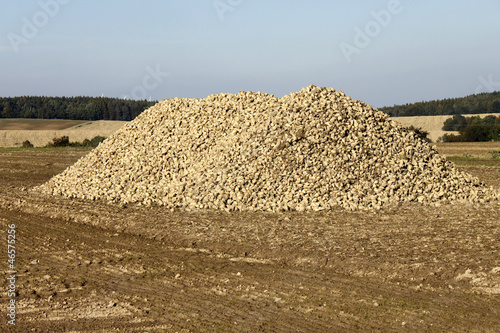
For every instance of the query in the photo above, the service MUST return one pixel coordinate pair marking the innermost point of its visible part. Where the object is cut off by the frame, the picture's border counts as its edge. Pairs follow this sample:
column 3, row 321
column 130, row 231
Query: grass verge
column 462, row 160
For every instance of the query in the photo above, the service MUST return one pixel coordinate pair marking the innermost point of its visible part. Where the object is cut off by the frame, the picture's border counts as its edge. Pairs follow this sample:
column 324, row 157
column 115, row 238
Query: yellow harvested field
column 433, row 124
column 77, row 131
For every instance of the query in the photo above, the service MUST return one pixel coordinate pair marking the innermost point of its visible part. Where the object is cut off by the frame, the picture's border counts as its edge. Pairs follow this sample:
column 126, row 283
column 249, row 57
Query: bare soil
column 89, row 266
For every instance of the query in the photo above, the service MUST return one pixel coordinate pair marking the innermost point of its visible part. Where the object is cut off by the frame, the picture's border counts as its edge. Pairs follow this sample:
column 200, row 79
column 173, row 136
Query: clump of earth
column 316, row 149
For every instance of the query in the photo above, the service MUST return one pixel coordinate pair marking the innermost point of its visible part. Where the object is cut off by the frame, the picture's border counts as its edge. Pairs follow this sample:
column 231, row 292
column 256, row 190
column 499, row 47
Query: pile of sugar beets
column 316, row 149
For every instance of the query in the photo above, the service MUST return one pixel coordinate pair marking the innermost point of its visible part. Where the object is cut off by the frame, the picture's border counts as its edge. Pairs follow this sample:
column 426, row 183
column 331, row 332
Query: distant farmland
column 13, row 132
column 434, row 124
column 21, row 124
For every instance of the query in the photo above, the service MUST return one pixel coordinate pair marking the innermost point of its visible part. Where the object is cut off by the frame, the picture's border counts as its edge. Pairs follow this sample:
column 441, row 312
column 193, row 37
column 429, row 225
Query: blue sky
column 382, row 52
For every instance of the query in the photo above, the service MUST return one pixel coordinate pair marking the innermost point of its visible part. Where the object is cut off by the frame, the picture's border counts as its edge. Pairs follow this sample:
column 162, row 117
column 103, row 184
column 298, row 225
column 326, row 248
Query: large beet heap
column 312, row 150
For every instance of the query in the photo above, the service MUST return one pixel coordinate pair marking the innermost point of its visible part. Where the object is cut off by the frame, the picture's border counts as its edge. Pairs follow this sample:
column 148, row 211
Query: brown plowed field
column 23, row 124
column 89, row 266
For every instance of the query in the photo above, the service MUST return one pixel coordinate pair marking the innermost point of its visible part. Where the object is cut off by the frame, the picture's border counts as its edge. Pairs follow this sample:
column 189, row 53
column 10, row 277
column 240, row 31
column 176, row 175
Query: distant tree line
column 76, row 108
column 473, row 104
column 472, row 129
column 105, row 108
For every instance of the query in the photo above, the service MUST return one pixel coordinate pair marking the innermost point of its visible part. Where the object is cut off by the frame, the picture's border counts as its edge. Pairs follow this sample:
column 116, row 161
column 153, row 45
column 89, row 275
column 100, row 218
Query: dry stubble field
column 88, row 266
column 40, row 132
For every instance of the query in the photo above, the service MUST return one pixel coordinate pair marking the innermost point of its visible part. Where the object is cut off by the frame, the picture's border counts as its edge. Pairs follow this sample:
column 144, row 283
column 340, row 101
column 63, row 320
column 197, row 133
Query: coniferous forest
column 472, row 104
column 75, row 108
